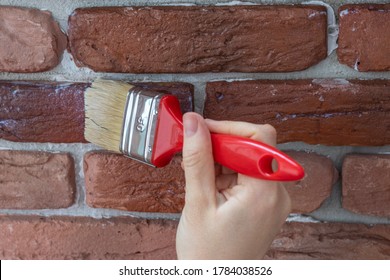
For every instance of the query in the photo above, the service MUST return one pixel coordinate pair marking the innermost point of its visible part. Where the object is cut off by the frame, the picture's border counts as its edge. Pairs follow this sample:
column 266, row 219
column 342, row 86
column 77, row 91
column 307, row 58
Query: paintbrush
column 147, row 126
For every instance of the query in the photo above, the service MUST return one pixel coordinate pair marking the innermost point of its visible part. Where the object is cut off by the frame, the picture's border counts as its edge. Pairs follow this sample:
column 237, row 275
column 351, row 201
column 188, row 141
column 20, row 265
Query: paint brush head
column 142, row 124
column 104, row 110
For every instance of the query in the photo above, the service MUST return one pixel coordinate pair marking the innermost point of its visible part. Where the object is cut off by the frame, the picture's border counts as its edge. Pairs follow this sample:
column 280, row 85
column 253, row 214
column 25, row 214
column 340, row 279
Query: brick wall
column 63, row 198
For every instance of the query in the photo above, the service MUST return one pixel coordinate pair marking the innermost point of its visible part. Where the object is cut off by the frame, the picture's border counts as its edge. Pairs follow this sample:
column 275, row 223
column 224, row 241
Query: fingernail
column 190, row 123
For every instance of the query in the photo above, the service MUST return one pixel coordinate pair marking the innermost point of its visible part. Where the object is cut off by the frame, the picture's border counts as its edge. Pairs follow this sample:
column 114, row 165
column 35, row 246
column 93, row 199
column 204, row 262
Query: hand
column 226, row 215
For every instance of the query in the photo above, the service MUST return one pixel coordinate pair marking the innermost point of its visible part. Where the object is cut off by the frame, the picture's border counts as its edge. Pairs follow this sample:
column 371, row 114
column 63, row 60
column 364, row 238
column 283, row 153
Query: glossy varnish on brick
column 198, row 39
column 42, row 111
column 331, row 112
column 54, row 111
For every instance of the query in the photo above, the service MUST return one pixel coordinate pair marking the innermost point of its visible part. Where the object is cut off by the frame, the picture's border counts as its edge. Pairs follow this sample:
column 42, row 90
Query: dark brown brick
column 30, row 40
column 183, row 91
column 320, row 174
column 366, row 184
column 331, row 241
column 33, row 237
column 36, row 180
column 54, row 112
column 42, row 111
column 115, row 181
column 364, row 38
column 331, row 112
column 199, row 38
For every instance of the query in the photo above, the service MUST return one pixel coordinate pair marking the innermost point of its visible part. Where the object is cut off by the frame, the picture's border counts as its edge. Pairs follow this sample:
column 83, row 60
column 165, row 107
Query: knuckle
column 266, row 133
column 192, row 158
column 277, row 198
column 269, row 129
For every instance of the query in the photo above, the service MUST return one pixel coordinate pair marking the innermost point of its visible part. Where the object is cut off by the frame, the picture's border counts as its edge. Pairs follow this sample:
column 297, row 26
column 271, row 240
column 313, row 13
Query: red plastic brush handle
column 254, row 159
column 243, row 155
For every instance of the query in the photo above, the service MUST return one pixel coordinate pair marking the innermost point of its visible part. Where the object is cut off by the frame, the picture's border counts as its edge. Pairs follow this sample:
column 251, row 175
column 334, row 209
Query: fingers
column 225, row 181
column 198, row 162
column 222, row 170
column 263, row 133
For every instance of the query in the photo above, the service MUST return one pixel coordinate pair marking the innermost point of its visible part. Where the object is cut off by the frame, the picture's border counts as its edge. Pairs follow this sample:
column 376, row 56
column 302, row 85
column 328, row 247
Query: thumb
column 198, row 162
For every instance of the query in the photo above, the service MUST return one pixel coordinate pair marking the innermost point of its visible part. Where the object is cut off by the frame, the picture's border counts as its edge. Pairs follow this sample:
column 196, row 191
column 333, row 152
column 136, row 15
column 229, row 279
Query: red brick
column 199, row 38
column 183, row 91
column 36, row 180
column 320, row 174
column 366, row 184
column 331, row 241
column 115, row 181
column 33, row 237
column 331, row 112
column 31, row 40
column 54, row 111
column 42, row 111
column 364, row 38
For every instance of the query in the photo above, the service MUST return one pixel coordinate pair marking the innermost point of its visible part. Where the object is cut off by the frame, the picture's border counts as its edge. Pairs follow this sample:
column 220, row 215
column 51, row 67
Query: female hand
column 226, row 215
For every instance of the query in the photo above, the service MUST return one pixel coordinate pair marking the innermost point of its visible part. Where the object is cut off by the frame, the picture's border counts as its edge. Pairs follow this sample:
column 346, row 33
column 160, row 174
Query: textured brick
column 198, row 38
column 42, row 111
column 36, row 180
column 364, row 38
column 320, row 174
column 54, row 111
column 183, row 91
column 331, row 112
column 366, row 184
column 115, row 181
column 30, row 40
column 33, row 237
column 331, row 241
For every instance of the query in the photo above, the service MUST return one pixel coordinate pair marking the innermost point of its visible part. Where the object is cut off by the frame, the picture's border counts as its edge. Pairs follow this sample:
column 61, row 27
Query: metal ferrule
column 139, row 124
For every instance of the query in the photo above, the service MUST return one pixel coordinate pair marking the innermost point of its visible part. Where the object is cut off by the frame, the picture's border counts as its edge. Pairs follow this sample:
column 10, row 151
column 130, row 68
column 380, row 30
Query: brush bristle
column 104, row 109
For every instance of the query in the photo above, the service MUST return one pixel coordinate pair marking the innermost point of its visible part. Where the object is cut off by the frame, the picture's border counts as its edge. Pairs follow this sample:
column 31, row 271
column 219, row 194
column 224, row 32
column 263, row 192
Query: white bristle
column 104, row 108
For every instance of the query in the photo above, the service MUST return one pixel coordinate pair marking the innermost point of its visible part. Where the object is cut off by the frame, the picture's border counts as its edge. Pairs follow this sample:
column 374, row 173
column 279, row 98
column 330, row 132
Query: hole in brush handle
column 254, row 159
column 268, row 165
column 237, row 153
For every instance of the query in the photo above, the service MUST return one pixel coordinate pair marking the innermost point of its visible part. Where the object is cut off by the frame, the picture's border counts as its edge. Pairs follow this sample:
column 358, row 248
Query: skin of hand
column 226, row 215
